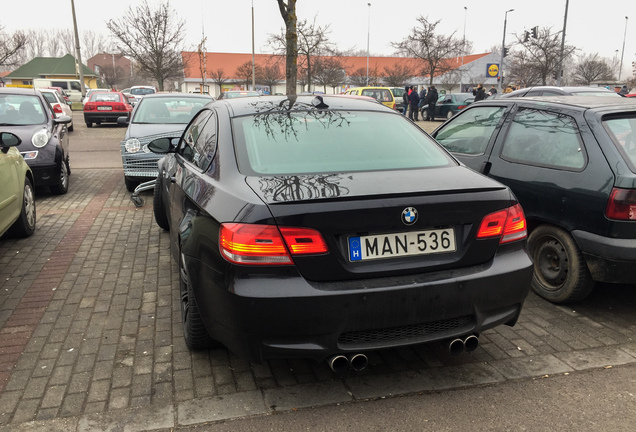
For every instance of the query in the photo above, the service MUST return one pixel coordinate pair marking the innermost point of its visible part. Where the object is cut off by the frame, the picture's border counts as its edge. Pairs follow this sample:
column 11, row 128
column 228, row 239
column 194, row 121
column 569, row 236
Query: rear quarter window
column 623, row 134
column 470, row 132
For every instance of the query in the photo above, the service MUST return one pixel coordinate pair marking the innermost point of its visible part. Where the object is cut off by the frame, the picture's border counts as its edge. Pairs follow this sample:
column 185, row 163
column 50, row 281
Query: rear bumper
column 608, row 259
column 287, row 316
column 104, row 116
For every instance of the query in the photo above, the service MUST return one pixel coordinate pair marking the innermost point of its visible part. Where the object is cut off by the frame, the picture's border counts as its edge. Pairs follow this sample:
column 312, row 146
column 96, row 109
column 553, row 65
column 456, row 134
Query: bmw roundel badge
column 409, row 216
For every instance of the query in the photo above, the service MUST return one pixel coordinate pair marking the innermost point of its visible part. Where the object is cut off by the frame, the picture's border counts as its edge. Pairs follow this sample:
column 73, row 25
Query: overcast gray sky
column 592, row 26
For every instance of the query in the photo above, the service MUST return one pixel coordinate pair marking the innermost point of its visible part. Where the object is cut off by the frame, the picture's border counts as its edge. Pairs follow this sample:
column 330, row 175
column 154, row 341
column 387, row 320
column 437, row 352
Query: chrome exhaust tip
column 358, row 362
column 338, row 363
column 456, row 346
column 471, row 343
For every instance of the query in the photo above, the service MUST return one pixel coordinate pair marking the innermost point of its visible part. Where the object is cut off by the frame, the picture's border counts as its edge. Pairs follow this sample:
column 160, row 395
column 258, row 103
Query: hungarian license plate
column 402, row 244
column 104, row 108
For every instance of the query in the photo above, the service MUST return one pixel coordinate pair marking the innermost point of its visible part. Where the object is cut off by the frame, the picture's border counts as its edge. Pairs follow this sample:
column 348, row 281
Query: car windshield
column 177, row 110
column 21, row 110
column 623, row 133
column 105, row 97
column 326, row 141
column 142, row 91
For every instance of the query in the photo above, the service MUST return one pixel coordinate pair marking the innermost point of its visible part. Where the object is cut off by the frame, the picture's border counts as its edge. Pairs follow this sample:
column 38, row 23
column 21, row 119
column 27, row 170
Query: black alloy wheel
column 62, row 182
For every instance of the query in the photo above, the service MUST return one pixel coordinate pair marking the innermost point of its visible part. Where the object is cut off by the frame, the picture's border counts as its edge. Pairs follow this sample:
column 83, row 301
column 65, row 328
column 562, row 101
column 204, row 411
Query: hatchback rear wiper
column 9, row 124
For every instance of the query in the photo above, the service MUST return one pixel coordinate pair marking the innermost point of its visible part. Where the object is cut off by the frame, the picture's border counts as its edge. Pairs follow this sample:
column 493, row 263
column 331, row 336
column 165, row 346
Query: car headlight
column 133, row 145
column 41, row 138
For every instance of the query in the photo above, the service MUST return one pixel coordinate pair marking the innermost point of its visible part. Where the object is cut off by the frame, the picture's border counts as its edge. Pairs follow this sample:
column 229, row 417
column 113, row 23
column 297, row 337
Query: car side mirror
column 122, row 121
column 162, row 145
column 7, row 139
column 63, row 119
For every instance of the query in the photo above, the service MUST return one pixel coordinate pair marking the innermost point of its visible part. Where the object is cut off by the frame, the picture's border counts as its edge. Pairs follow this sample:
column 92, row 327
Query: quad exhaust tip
column 457, row 346
column 340, row 363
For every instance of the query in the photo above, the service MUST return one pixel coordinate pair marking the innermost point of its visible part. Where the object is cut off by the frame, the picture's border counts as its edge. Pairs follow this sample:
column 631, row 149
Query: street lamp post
column 503, row 48
column 253, row 63
column 368, row 37
column 565, row 23
column 623, row 52
column 464, row 38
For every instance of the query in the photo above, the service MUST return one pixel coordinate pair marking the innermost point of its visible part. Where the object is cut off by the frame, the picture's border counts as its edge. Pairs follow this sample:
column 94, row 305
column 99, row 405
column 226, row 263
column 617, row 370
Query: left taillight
column 267, row 244
column 509, row 225
column 57, row 108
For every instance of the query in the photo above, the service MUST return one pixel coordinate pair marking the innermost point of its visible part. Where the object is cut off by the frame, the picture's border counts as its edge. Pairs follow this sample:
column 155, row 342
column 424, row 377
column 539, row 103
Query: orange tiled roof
column 229, row 62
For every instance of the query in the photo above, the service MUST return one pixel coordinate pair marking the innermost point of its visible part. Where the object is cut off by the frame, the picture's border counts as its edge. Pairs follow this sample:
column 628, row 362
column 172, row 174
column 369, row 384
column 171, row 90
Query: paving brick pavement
column 90, row 333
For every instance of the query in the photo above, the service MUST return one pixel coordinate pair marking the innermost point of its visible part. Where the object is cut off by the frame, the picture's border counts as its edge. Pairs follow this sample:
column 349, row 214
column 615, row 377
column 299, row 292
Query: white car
column 59, row 105
column 91, row 91
column 138, row 92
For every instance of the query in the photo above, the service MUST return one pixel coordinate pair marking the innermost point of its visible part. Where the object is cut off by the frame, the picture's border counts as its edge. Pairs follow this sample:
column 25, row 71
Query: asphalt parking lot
column 91, row 340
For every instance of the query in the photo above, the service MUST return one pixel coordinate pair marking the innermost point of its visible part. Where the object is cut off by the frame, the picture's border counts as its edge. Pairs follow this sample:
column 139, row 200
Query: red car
column 107, row 107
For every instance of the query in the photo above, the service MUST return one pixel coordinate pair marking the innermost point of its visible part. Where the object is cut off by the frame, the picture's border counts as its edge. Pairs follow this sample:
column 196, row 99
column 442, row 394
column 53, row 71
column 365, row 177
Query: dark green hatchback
column 571, row 162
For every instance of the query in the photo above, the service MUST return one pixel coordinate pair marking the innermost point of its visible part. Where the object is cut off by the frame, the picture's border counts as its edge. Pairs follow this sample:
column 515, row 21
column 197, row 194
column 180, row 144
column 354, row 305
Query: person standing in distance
column 479, row 93
column 405, row 100
column 414, row 101
column 431, row 100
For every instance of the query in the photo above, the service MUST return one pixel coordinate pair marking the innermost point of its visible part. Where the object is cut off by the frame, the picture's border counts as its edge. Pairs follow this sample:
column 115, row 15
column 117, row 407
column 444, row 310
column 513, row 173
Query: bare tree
column 431, row 48
column 270, row 75
column 520, row 71
column 11, row 46
column 153, row 38
column 450, row 80
column 112, row 75
column 397, row 75
column 358, row 78
column 591, row 67
column 244, row 72
column 313, row 40
column 67, row 40
column 219, row 78
column 329, row 71
column 288, row 12
column 93, row 43
column 541, row 55
column 36, row 43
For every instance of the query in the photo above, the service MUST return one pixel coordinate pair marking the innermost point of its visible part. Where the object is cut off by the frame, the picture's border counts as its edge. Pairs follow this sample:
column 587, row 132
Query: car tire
column 560, row 271
column 194, row 332
column 62, row 182
column 449, row 115
column 24, row 226
column 89, row 124
column 161, row 217
column 130, row 184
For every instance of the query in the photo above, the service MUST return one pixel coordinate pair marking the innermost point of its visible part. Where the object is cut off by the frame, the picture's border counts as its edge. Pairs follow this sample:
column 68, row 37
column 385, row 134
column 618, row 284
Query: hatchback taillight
column 267, row 244
column 119, row 107
column 509, row 224
column 621, row 204
column 57, row 109
column 89, row 106
column 462, row 106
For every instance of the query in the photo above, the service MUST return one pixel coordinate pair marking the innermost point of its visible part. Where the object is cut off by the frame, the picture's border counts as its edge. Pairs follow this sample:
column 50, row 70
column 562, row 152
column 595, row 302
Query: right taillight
column 621, row 204
column 509, row 225
column 57, row 108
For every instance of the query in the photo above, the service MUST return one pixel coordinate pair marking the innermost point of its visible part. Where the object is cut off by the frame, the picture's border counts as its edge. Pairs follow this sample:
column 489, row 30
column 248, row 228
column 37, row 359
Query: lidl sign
column 492, row 70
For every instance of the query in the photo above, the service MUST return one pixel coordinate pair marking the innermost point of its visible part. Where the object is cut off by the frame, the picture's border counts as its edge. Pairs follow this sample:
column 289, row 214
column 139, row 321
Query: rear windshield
column 105, row 97
column 142, row 91
column 397, row 92
column 50, row 97
column 296, row 143
column 178, row 110
column 21, row 110
column 623, row 133
column 595, row 93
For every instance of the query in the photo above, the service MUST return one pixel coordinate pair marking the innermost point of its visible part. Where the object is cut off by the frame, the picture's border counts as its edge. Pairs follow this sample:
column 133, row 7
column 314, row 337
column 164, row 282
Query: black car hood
column 291, row 188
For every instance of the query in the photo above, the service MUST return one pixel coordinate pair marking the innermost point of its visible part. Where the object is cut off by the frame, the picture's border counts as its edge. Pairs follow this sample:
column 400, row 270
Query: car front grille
column 412, row 333
column 142, row 164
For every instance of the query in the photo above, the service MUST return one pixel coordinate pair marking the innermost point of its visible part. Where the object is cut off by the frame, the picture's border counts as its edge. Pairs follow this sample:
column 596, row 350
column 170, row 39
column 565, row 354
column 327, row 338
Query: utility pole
column 78, row 55
column 503, row 50
column 623, row 52
column 559, row 72
column 368, row 37
column 253, row 63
